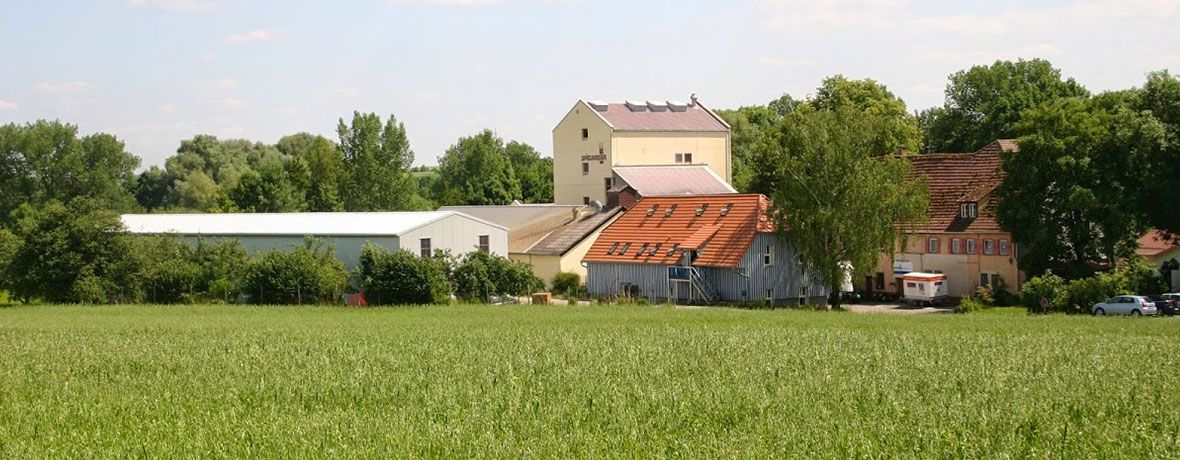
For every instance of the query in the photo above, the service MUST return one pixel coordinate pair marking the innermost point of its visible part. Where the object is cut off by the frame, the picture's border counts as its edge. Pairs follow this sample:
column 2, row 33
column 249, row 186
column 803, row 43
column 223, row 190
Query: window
column 684, row 158
column 956, row 246
column 672, row 208
column 606, row 183
column 1003, row 247
column 989, row 247
column 655, row 249
column 879, row 282
column 424, row 247
column 768, row 256
column 626, row 246
column 680, row 158
column 932, row 246
column 484, row 245
column 769, row 294
column 600, row 150
column 585, row 168
column 586, row 200
column 970, row 246
column 642, row 249
column 701, row 210
column 612, row 249
column 911, row 285
column 996, row 280
column 585, row 133
column 675, row 246
column 983, row 279
column 968, row 210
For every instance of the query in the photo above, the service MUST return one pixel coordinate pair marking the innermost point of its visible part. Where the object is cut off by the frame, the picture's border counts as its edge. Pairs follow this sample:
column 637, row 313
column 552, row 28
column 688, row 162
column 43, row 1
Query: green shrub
column 969, row 305
column 1047, row 286
column 482, row 274
column 1082, row 293
column 174, row 271
column 9, row 244
column 73, row 254
column 307, row 274
column 401, row 278
column 568, row 285
column 171, row 281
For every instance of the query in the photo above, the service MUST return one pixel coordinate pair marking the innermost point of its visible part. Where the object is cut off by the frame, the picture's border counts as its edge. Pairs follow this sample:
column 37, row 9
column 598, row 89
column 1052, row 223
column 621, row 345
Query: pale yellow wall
column 623, row 148
column 632, row 148
column 962, row 270
column 543, row 266
column 569, row 185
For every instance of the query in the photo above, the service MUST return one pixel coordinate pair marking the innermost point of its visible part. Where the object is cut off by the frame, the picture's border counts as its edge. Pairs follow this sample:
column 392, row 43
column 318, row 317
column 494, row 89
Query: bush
column 9, row 244
column 568, row 285
column 401, row 278
column 171, row 281
column 482, row 274
column 176, row 272
column 1047, row 286
column 969, row 305
column 310, row 273
column 73, row 254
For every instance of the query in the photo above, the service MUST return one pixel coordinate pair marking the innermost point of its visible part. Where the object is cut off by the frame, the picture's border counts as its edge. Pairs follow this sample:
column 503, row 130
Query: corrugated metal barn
column 417, row 232
column 699, row 249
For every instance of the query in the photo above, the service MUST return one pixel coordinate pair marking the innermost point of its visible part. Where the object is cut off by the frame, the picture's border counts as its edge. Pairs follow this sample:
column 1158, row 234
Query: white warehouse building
column 418, row 232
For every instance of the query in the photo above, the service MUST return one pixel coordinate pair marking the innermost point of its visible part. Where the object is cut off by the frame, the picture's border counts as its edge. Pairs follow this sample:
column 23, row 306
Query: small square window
column 586, row 200
column 970, row 246
column 932, row 246
column 688, row 158
column 484, row 244
column 585, row 168
column 769, row 294
column 768, row 256
column 680, row 158
column 956, row 246
column 1003, row 247
column 989, row 247
column 983, row 279
column 607, row 183
column 585, row 133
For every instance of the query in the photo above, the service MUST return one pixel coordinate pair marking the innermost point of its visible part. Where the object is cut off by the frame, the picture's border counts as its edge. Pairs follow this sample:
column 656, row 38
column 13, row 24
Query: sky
column 153, row 72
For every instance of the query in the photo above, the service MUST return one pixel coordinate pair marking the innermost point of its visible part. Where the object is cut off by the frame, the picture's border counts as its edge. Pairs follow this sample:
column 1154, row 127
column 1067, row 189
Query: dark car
column 1165, row 304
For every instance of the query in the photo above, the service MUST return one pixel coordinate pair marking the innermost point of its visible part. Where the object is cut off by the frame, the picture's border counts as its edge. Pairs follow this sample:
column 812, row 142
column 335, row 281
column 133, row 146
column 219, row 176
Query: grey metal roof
column 295, row 223
column 565, row 238
column 668, row 180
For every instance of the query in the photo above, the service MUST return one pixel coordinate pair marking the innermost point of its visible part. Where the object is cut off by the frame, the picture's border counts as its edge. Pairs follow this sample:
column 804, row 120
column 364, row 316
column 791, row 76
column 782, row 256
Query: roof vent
column 701, row 210
column 677, row 106
column 725, row 210
column 652, row 210
column 598, row 105
column 668, row 213
column 636, row 106
column 657, row 106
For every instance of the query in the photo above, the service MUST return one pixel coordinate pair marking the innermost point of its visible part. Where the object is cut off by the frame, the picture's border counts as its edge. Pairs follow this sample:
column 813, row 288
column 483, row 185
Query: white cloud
column 254, row 36
column 177, row 5
column 7, row 105
column 837, row 14
column 220, row 84
column 443, row 2
column 232, row 103
column 64, row 87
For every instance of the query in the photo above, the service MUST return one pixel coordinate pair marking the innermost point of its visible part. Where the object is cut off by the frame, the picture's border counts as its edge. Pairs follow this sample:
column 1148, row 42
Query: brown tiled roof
column 957, row 178
column 723, row 247
column 692, row 118
column 697, row 179
column 1155, row 243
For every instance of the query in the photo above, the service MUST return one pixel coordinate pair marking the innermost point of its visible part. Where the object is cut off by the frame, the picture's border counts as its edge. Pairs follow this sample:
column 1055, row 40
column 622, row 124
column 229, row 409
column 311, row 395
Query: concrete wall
column 962, row 269
column 569, row 184
column 457, row 233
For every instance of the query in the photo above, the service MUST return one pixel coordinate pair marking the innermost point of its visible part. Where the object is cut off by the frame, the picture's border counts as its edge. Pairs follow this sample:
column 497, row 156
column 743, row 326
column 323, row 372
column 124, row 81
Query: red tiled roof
column 957, row 178
column 697, row 179
column 725, row 238
column 1155, row 243
column 691, row 118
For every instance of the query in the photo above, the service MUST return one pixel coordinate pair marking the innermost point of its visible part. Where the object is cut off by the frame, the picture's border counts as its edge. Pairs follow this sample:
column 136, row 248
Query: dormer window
column 701, row 210
column 672, row 208
column 612, row 249
column 969, row 210
column 626, row 246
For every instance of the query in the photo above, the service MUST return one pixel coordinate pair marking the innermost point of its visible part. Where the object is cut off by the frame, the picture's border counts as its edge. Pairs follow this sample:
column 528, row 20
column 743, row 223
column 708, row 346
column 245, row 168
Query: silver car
column 1133, row 305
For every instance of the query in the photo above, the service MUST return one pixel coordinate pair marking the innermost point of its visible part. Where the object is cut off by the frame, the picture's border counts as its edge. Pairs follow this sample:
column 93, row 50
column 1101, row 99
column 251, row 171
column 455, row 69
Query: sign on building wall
column 901, row 267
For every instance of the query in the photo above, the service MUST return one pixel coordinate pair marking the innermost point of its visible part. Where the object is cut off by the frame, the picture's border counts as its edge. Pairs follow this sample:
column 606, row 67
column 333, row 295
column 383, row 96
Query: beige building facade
column 593, row 137
column 970, row 261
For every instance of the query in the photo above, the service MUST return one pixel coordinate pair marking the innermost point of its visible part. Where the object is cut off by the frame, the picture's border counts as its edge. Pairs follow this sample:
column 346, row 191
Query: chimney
column 693, row 98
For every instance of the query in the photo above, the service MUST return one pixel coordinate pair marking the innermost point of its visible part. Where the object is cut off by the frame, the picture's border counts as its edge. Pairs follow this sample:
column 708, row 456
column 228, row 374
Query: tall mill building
column 595, row 136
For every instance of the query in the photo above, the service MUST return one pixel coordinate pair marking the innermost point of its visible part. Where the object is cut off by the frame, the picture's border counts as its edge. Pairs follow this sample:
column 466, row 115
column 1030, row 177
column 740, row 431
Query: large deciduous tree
column 748, row 126
column 534, row 173
column 377, row 159
column 984, row 103
column 897, row 127
column 832, row 195
column 1070, row 196
column 323, row 173
column 476, row 171
column 1161, row 97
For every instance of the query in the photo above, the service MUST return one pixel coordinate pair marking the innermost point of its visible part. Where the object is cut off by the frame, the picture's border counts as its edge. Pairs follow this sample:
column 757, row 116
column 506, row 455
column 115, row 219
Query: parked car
column 1133, row 305
column 1167, row 304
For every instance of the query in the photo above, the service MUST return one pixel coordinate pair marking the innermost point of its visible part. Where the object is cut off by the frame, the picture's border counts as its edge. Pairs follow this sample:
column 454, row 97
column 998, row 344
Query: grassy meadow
column 479, row 381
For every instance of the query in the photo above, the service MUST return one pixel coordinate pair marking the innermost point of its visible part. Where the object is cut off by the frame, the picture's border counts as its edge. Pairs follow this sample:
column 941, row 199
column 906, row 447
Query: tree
column 401, row 278
column 324, row 169
column 482, row 274
column 1070, row 195
column 984, row 103
column 476, row 171
column 1161, row 97
column 73, row 254
column 377, row 161
column 748, row 128
column 267, row 190
column 534, row 173
column 46, row 161
column 898, row 128
column 152, row 188
column 832, row 196
column 306, row 274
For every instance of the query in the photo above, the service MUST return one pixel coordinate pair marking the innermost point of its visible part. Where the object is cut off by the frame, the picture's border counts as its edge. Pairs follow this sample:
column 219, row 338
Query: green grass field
column 144, row 381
